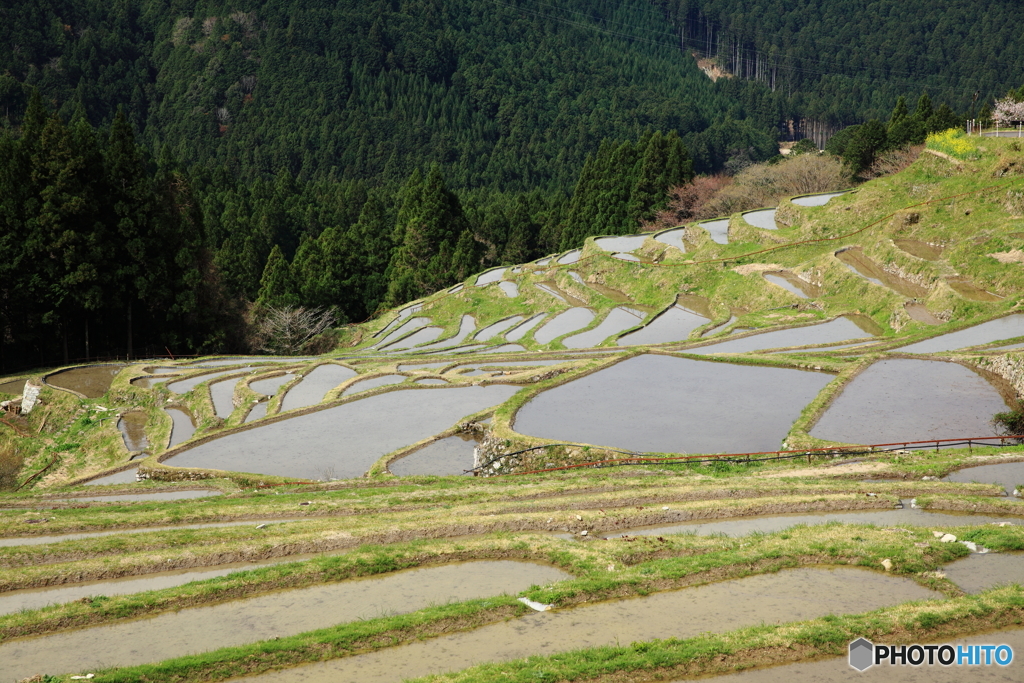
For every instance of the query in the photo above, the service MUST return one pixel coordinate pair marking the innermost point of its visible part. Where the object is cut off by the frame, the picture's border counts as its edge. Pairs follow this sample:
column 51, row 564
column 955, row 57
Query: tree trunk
column 129, row 355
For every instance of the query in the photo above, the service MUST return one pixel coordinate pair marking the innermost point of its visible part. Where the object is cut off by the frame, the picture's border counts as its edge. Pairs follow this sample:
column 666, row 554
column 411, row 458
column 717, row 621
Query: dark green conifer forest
column 167, row 165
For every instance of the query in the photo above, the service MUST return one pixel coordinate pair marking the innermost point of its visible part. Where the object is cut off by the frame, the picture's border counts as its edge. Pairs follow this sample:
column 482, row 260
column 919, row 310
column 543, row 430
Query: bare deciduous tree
column 285, row 330
column 766, row 184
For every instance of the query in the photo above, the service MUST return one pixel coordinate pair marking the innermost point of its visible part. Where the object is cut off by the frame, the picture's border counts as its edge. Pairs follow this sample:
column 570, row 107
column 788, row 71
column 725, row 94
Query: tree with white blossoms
column 1009, row 110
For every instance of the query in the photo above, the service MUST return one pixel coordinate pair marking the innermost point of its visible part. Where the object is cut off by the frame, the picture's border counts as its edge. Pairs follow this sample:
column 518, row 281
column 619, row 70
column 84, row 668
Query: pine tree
column 430, row 223
column 277, row 286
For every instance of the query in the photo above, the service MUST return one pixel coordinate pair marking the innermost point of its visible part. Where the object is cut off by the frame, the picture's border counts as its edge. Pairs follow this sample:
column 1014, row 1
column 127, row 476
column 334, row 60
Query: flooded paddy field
column 623, row 243
column 543, row 370
column 452, row 455
column 676, row 405
column 816, row 199
column 346, row 439
column 274, row 615
column 840, row 329
column 788, row 595
column 563, row 323
column 186, row 385
column 982, row 572
column 1009, row 475
column 673, row 325
column 123, row 477
column 985, row 333
column 34, row 598
column 617, row 320
column 762, row 218
column 673, row 238
column 719, row 230
column 838, row 670
column 374, row 382
column 912, row 400
column 143, row 497
column 133, row 431
column 14, row 387
column 744, row 526
column 315, row 385
column 182, row 425
column 91, row 381
column 60, row 538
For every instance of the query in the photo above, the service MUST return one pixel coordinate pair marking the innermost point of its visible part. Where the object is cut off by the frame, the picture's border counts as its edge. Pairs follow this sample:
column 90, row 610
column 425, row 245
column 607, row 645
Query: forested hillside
column 353, row 155
column 845, row 62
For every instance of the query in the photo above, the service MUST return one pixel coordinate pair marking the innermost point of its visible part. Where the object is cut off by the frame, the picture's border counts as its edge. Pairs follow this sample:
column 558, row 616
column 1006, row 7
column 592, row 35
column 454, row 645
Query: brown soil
column 922, row 250
column 921, row 314
column 834, row 471
column 1013, row 256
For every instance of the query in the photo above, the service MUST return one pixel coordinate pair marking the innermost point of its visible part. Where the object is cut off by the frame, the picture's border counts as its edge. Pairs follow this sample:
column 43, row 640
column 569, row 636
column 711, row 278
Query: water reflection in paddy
column 980, row 572
column 92, row 381
column 618, row 319
column 675, row 405
column 489, row 276
column 816, row 199
column 347, row 438
column 258, row 412
column 563, row 323
column 673, row 238
column 495, row 329
column 403, row 329
column 510, row 289
column 373, row 383
column 520, row 330
column 453, row 455
column 764, row 219
column 223, row 394
column 719, row 230
column 1009, row 475
column 182, row 426
column 186, row 385
column 570, row 257
column 123, row 477
column 744, row 526
column 313, row 386
column 427, row 334
column 277, row 614
column 793, row 283
column 466, row 325
column 627, row 257
column 675, row 324
column 270, row 385
column 867, row 268
column 133, row 431
column 994, row 330
column 910, row 400
column 623, row 243
column 34, row 598
column 838, row 330
column 14, row 387
column 789, row 595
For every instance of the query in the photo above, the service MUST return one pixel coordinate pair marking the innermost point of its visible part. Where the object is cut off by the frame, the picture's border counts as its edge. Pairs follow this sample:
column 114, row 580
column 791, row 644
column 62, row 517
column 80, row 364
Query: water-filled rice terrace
column 731, row 446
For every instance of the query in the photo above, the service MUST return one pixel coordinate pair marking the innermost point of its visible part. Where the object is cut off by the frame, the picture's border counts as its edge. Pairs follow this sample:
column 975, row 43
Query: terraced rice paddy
column 500, row 483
